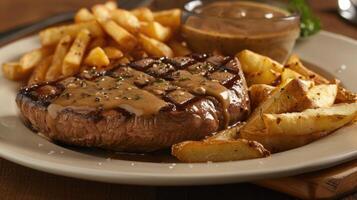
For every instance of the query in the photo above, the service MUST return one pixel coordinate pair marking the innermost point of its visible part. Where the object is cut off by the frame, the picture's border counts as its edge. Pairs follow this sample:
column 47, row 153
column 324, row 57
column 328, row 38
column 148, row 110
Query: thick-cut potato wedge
column 294, row 63
column 126, row 19
column 83, row 15
column 97, row 42
column 55, row 70
column 97, row 58
column 179, row 48
column 52, row 36
column 263, row 77
column 290, row 74
column 126, row 40
column 12, row 71
column 252, row 62
column 323, row 95
column 111, row 5
column 39, row 73
column 155, row 47
column 73, row 59
column 282, row 142
column 258, row 93
column 223, row 146
column 101, row 13
column 155, row 30
column 170, row 18
column 291, row 97
column 345, row 96
column 310, row 120
column 218, row 150
column 143, row 14
column 112, row 52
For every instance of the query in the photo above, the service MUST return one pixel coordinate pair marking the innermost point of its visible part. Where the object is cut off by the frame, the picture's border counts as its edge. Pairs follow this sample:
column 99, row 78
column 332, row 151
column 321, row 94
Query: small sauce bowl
column 231, row 26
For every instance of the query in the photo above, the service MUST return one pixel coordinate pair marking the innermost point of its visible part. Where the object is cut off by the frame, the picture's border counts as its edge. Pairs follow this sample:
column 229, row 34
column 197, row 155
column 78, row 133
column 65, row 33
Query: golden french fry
column 97, row 42
column 29, row 60
column 73, row 59
column 126, row 40
column 179, row 48
column 294, row 63
column 143, row 14
column 52, row 36
column 156, row 30
column 39, row 73
column 12, row 71
column 126, row 19
column 101, row 13
column 138, row 54
column 111, row 5
column 83, row 15
column 112, row 52
column 55, row 70
column 170, row 18
column 97, row 58
column 155, row 47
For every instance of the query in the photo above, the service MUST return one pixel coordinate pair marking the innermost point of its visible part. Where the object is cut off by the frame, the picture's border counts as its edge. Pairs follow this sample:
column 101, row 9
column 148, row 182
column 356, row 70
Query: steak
column 146, row 105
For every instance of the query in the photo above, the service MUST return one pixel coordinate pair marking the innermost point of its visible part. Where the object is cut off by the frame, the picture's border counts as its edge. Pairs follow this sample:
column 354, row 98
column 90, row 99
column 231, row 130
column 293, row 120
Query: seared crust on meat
column 118, row 129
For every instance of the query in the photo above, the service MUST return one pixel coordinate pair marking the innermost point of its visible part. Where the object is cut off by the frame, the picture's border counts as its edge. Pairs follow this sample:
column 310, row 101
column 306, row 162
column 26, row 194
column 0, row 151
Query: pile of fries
column 292, row 106
column 100, row 38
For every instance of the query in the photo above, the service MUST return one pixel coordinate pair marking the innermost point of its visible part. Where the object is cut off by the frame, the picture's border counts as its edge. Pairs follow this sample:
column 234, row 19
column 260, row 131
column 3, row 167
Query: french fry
column 179, row 48
column 258, row 93
column 101, row 13
column 39, row 73
column 259, row 69
column 218, row 150
column 311, row 120
column 73, row 59
column 83, row 15
column 156, row 30
column 12, row 71
column 253, row 62
column 170, row 18
column 290, row 74
column 291, row 97
column 52, row 36
column 323, row 95
column 113, row 53
column 97, row 58
column 126, row 20
column 143, row 14
column 155, row 47
column 294, row 63
column 223, row 146
column 111, row 5
column 32, row 58
column 126, row 40
column 97, row 42
column 55, row 70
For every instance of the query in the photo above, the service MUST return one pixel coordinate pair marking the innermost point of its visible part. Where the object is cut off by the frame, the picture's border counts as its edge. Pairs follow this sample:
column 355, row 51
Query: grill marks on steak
column 189, row 113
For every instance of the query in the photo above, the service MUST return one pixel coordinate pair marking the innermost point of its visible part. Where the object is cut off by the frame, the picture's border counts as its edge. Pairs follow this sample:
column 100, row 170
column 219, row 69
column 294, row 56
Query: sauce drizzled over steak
column 146, row 105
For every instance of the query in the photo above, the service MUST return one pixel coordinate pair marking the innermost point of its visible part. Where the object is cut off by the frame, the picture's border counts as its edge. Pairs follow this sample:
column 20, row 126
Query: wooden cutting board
column 325, row 184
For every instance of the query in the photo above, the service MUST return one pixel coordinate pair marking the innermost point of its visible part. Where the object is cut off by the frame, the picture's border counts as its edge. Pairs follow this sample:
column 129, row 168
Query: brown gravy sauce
column 106, row 93
column 197, row 84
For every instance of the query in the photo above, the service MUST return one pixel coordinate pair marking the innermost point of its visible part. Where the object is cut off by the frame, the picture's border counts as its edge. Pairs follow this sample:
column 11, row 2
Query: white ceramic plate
column 20, row 145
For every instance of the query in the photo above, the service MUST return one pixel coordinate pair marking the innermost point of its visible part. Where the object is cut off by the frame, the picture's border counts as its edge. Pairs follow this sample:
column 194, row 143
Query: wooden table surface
column 17, row 182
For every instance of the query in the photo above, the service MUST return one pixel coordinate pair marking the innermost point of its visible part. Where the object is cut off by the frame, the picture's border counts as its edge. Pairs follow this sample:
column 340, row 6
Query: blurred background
column 17, row 12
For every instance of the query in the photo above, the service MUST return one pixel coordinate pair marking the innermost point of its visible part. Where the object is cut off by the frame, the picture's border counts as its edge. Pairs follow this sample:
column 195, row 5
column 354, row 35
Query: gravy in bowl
column 229, row 27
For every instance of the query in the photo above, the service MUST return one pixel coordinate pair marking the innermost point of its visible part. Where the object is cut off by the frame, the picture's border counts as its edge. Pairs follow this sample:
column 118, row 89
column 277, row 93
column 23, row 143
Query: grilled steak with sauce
column 147, row 105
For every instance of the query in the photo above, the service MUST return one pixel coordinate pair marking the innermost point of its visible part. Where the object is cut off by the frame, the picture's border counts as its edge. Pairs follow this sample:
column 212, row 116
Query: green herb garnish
column 309, row 23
